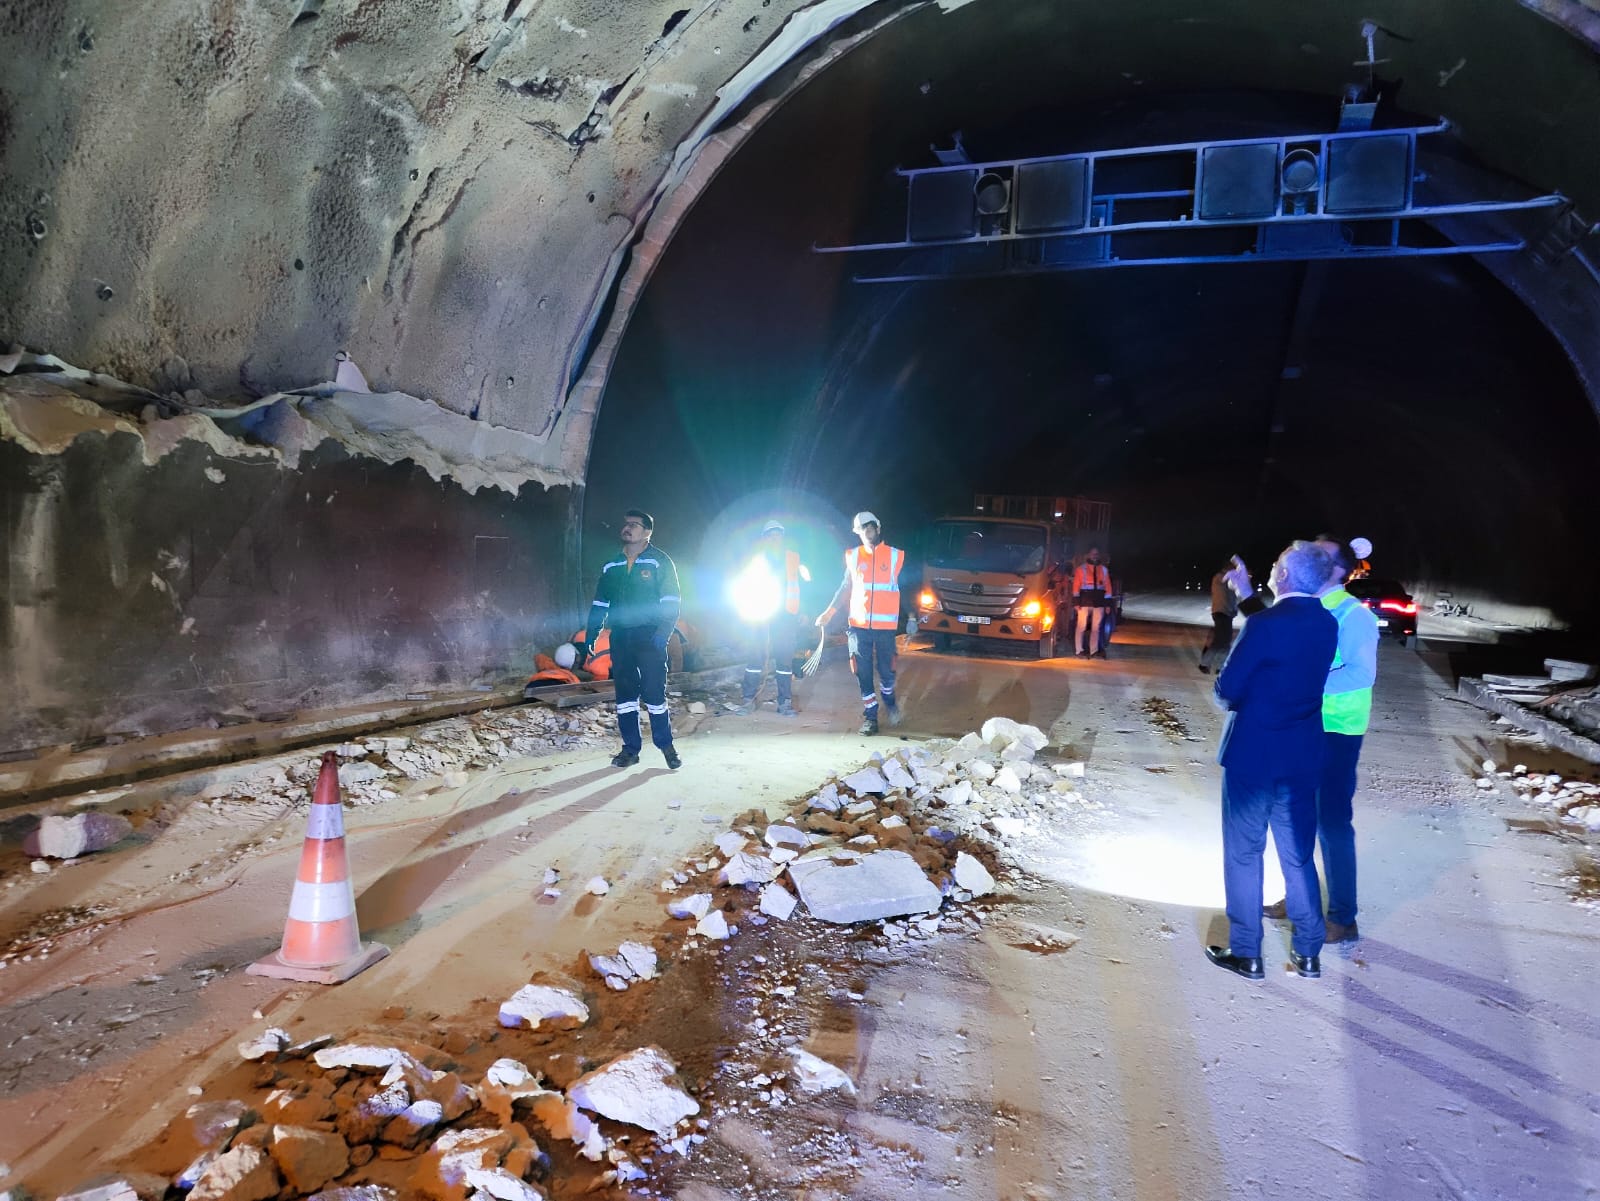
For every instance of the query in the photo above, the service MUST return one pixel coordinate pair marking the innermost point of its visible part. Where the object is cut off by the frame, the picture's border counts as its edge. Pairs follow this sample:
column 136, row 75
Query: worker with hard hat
column 637, row 600
column 766, row 594
column 872, row 584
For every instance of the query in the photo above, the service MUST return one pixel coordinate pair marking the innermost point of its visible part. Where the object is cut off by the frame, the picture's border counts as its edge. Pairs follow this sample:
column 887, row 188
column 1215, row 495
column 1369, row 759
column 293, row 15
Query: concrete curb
column 1553, row 732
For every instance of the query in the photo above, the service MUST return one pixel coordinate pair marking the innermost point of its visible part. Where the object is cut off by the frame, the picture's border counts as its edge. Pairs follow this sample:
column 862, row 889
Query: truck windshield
column 986, row 546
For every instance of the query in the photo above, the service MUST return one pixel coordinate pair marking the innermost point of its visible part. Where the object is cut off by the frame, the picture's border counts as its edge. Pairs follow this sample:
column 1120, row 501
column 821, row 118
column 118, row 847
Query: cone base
column 275, row 968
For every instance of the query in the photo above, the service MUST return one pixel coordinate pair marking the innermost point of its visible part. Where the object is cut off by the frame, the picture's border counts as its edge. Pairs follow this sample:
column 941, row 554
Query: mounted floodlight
column 1301, row 172
column 992, row 194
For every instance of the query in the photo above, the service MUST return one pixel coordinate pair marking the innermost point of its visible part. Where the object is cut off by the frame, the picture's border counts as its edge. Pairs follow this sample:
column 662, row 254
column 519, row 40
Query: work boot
column 868, row 726
column 671, row 755
column 895, row 716
column 1277, row 911
column 746, row 709
column 1339, row 932
column 624, row 758
column 786, row 709
column 1240, row 965
column 1309, row 966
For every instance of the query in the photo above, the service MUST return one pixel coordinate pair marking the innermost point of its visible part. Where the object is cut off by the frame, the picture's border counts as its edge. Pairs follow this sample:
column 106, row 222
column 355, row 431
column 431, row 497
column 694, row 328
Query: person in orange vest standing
column 872, row 583
column 767, row 594
column 1091, row 584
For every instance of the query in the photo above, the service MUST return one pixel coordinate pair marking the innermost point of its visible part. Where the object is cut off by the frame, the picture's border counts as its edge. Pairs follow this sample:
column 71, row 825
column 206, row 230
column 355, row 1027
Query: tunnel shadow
column 1485, row 1096
column 390, row 903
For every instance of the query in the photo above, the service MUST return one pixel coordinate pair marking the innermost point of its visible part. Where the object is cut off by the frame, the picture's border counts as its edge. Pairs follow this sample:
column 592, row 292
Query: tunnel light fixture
column 1349, row 193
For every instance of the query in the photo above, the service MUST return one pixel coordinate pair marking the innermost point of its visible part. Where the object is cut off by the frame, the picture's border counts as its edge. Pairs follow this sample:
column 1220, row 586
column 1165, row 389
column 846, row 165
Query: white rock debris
column 972, row 875
column 637, row 1088
column 882, row 884
column 598, row 886
column 816, row 1075
column 777, row 901
column 80, row 834
column 694, row 907
column 713, row 925
column 268, row 1042
column 535, row 1003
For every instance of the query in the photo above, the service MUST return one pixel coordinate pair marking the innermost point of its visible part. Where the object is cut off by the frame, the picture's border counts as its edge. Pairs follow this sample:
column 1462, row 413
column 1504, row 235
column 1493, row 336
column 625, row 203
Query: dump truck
column 1004, row 571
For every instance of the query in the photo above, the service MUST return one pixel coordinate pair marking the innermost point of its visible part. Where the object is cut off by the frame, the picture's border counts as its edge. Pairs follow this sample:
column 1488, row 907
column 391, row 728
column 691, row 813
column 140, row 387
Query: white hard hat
column 772, row 527
column 566, row 655
column 1361, row 546
column 865, row 518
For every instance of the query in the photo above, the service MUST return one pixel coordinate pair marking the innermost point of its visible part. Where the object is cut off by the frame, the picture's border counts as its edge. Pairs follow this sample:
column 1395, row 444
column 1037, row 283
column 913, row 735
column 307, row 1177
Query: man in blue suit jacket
column 1271, row 756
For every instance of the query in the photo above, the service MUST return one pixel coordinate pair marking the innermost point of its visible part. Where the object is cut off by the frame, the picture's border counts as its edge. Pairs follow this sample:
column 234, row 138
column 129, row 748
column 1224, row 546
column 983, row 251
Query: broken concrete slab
column 1007, row 781
column 357, row 1192
column 780, row 834
column 882, row 884
column 242, row 1174
column 827, row 800
column 1070, row 771
column 694, row 907
column 747, row 868
column 1000, row 733
column 867, row 780
column 640, row 958
column 268, row 1042
column 535, row 1003
column 80, row 834
column 971, row 875
column 362, row 1056
column 817, row 1075
column 713, row 925
column 638, row 1088
column 896, row 775
column 777, row 901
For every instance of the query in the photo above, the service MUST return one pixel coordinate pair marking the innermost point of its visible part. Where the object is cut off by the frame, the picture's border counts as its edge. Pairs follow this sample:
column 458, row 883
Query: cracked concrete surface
column 444, row 193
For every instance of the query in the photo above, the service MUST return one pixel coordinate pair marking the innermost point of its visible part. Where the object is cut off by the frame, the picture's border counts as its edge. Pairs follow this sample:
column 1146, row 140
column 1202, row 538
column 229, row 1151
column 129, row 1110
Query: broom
column 809, row 667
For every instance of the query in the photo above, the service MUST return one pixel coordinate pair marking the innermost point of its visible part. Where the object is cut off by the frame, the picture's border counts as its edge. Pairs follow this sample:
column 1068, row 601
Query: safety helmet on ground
column 865, row 518
column 1361, row 547
column 566, row 655
column 772, row 527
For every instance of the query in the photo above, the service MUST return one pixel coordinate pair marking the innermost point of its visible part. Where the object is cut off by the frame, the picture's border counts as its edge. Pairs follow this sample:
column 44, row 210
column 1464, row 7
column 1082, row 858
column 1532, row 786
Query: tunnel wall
column 206, row 589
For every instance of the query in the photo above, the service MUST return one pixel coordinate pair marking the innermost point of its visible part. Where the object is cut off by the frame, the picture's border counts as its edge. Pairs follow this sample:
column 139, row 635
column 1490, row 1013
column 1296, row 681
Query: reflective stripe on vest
column 874, row 586
column 1090, row 575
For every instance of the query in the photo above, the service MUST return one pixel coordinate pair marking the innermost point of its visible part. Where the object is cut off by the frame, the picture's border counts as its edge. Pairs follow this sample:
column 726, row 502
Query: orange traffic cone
column 321, row 942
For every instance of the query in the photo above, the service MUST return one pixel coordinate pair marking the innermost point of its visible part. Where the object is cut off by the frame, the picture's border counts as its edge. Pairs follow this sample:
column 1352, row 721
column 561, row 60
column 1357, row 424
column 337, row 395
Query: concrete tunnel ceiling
column 449, row 195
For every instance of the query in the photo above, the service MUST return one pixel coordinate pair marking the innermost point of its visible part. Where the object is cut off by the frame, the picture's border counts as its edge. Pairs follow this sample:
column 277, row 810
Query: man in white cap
column 872, row 583
column 767, row 593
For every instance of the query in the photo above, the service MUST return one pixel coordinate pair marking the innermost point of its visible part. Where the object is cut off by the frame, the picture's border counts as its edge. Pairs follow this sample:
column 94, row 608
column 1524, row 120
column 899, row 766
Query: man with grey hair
column 1271, row 756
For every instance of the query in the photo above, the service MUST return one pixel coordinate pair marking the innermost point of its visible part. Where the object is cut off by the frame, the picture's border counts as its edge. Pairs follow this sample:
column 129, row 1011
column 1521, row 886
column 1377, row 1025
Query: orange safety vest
column 791, row 583
column 598, row 663
column 874, row 586
column 1091, row 575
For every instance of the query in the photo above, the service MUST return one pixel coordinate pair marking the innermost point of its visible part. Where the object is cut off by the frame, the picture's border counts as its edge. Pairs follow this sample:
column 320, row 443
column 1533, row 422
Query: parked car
column 1397, row 612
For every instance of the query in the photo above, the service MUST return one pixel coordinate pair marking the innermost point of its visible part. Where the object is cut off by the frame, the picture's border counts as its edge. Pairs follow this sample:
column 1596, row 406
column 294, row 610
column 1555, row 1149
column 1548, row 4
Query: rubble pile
column 383, row 1120
column 895, row 839
column 1576, row 802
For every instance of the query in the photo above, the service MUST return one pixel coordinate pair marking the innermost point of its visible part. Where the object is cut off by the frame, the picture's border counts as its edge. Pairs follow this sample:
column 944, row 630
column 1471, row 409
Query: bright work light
column 756, row 593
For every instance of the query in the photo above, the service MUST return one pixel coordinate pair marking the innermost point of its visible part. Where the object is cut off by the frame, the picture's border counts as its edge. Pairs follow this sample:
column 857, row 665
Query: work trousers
column 1221, row 640
column 1089, row 618
column 639, row 672
column 1250, row 804
column 865, row 647
column 778, row 635
column 1335, row 823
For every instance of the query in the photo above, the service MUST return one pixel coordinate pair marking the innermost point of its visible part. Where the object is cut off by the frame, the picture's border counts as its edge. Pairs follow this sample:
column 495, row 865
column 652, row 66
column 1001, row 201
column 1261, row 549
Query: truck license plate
column 974, row 621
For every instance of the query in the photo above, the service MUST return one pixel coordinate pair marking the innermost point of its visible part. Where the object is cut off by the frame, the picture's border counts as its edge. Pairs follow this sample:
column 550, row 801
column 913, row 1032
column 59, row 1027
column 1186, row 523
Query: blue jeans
column 1335, row 823
column 1289, row 805
column 865, row 646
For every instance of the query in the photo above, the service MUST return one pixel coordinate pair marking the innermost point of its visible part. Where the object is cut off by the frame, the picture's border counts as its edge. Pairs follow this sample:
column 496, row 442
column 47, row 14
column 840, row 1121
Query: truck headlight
column 1029, row 608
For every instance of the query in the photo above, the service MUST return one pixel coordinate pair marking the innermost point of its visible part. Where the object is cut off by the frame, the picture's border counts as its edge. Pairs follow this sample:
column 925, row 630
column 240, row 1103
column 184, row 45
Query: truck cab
column 1005, row 570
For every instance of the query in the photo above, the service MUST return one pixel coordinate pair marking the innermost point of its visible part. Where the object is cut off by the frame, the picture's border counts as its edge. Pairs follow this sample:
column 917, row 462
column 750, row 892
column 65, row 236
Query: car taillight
column 1398, row 607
